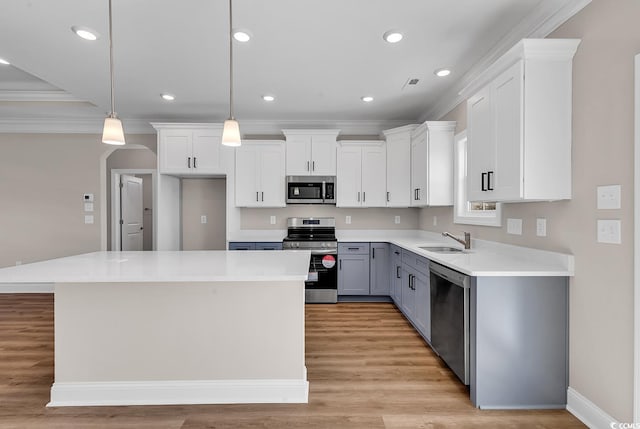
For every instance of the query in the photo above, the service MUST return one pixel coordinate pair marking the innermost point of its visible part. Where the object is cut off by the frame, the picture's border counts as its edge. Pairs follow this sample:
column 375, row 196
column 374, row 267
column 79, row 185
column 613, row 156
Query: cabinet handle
column 396, row 252
column 354, row 248
column 307, row 165
column 387, row 196
column 398, row 276
column 374, row 253
column 489, row 186
column 340, row 265
column 364, row 196
column 358, row 196
column 194, row 162
column 314, row 165
column 262, row 196
column 257, row 196
column 189, row 162
column 410, row 278
column 484, row 188
column 418, row 194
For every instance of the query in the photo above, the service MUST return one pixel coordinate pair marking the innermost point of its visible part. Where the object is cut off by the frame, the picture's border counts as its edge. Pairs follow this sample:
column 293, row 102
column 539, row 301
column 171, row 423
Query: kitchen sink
column 442, row 249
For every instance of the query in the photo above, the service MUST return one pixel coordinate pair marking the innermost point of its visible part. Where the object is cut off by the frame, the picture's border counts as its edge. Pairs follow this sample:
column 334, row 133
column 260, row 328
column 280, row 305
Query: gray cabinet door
column 395, row 279
column 379, row 265
column 422, row 313
column 269, row 245
column 242, row 245
column 407, row 294
column 353, row 274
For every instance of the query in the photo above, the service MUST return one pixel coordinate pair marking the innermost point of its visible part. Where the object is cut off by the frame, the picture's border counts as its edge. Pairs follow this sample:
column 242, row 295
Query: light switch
column 88, row 207
column 608, row 197
column 347, row 220
column 88, row 219
column 541, row 227
column 435, row 220
column 272, row 220
column 397, row 220
column 203, row 219
column 514, row 226
column 609, row 231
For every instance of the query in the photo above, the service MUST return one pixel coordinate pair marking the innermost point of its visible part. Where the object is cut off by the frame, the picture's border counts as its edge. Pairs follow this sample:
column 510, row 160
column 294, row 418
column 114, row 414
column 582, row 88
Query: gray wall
column 601, row 293
column 204, row 197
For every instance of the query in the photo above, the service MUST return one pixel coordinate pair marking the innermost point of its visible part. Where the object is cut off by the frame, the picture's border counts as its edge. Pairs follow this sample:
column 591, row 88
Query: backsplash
column 370, row 218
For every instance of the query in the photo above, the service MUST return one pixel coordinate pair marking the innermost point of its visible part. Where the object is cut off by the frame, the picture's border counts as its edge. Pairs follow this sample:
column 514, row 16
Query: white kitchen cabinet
column 432, row 164
column 260, row 179
column 519, row 125
column 311, row 152
column 190, row 149
column 399, row 166
column 361, row 178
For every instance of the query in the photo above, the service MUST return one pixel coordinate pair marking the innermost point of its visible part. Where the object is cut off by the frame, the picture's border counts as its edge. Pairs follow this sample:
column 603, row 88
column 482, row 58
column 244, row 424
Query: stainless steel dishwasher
column 450, row 318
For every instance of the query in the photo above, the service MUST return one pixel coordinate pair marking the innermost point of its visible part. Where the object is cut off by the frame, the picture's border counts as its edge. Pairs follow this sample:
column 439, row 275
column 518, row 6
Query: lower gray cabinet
column 415, row 295
column 422, row 312
column 395, row 279
column 275, row 245
column 353, row 269
column 407, row 294
column 379, row 269
column 242, row 245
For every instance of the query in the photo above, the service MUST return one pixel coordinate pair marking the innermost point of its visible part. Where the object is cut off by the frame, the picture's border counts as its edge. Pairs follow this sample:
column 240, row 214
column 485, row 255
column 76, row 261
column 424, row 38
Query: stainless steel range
column 319, row 236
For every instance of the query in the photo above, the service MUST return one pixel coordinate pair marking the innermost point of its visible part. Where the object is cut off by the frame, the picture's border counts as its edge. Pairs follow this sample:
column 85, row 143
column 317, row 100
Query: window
column 464, row 211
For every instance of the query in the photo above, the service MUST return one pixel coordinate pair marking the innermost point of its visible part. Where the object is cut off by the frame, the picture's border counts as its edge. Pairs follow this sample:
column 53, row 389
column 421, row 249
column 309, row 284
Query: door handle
column 489, row 187
column 483, row 187
column 194, row 162
column 189, row 162
column 141, row 228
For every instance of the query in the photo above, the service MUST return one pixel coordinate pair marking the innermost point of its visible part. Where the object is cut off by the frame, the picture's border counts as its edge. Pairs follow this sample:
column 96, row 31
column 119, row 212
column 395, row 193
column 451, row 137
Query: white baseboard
column 26, row 287
column 588, row 412
column 179, row 392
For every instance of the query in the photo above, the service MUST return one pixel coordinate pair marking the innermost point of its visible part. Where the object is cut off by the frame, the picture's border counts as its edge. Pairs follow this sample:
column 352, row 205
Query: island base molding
column 179, row 392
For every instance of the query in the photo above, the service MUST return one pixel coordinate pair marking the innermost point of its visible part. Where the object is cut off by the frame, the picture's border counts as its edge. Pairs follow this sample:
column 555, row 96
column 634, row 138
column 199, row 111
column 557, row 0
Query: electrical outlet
column 272, row 220
column 88, row 219
column 609, row 231
column 203, row 219
column 541, row 227
column 397, row 220
column 18, row 262
column 514, row 226
column 435, row 220
column 608, row 197
column 347, row 220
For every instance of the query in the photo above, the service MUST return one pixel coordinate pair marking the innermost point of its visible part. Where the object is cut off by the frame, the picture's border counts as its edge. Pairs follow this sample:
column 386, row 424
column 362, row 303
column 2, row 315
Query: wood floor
column 367, row 368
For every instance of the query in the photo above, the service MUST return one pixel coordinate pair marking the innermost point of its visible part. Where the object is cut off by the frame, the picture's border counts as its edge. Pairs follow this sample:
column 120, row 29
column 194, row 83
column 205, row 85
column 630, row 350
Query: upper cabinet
column 311, row 152
column 260, row 180
column 519, row 124
column 361, row 178
column 399, row 166
column 190, row 149
column 432, row 164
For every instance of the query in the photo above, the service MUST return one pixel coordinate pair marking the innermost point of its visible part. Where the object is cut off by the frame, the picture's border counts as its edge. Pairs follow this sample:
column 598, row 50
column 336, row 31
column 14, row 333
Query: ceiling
column 317, row 57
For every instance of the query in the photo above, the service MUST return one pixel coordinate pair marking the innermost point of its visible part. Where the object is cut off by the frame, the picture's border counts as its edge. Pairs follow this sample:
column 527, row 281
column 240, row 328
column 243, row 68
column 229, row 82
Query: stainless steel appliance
column 319, row 236
column 311, row 190
column 450, row 318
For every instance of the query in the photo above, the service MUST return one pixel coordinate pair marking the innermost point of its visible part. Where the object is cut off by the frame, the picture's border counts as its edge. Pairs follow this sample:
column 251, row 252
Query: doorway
column 129, row 212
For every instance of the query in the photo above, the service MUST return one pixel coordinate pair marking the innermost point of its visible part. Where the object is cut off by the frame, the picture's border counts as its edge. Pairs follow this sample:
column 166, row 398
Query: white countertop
column 164, row 266
column 485, row 258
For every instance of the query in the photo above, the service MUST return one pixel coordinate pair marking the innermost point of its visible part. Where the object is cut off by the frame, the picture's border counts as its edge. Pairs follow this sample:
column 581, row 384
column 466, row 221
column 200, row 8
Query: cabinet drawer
column 416, row 262
column 242, row 245
column 276, row 245
column 353, row 248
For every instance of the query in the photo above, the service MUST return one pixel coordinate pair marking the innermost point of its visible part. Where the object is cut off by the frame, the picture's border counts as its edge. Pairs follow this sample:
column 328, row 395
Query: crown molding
column 89, row 125
column 49, row 96
column 539, row 24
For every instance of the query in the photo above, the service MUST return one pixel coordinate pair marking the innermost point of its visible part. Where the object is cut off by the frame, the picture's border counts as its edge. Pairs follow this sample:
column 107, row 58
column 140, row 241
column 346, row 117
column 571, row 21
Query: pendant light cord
column 113, row 113
column 230, row 60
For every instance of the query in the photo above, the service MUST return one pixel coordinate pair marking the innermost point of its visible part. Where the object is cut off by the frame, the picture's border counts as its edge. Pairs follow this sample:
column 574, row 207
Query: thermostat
column 88, row 198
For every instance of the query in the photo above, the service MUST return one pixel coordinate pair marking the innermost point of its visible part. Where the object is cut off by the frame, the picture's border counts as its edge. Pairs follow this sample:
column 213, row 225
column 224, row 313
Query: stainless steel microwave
column 311, row 190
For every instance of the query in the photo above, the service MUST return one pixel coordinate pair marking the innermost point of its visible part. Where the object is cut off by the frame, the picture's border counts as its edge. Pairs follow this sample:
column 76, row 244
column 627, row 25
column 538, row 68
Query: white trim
column 48, row 96
column 69, row 125
column 538, row 24
column 26, row 288
column 179, row 392
column 636, row 246
column 588, row 412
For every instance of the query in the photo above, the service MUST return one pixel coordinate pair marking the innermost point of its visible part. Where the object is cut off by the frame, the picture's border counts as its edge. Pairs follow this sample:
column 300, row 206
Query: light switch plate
column 347, row 220
column 514, row 226
column 541, row 227
column 435, row 220
column 608, row 197
column 609, row 231
column 88, row 207
column 272, row 220
column 88, row 219
column 397, row 220
column 203, row 219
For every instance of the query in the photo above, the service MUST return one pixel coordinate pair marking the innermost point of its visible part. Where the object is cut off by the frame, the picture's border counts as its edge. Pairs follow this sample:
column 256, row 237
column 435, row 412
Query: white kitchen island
column 142, row 328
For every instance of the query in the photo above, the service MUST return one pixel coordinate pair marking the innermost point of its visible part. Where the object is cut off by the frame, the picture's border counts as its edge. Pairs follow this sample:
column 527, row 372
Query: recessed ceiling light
column 241, row 35
column 268, row 98
column 168, row 97
column 367, row 99
column 442, row 72
column 392, row 36
column 85, row 33
column 5, row 62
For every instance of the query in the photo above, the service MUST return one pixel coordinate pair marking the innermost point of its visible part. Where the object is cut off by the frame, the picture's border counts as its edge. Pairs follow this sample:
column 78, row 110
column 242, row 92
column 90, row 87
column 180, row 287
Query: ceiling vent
column 411, row 82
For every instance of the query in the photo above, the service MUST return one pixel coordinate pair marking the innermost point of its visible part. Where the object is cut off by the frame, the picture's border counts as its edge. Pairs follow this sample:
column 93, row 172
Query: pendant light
column 112, row 133
column 231, row 130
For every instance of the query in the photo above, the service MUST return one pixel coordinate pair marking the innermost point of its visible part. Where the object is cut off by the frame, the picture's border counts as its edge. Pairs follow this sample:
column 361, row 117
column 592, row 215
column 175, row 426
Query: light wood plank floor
column 367, row 369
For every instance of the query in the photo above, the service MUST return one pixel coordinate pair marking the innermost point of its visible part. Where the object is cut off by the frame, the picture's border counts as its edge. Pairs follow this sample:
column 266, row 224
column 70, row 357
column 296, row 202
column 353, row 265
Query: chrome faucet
column 466, row 242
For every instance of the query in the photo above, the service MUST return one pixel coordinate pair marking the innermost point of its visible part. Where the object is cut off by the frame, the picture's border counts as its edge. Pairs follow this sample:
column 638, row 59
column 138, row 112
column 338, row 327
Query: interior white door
column 131, row 212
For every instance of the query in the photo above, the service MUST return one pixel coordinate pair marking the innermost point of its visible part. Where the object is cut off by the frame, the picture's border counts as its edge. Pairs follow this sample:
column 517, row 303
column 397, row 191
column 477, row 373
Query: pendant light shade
column 231, row 133
column 112, row 133
column 231, row 130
